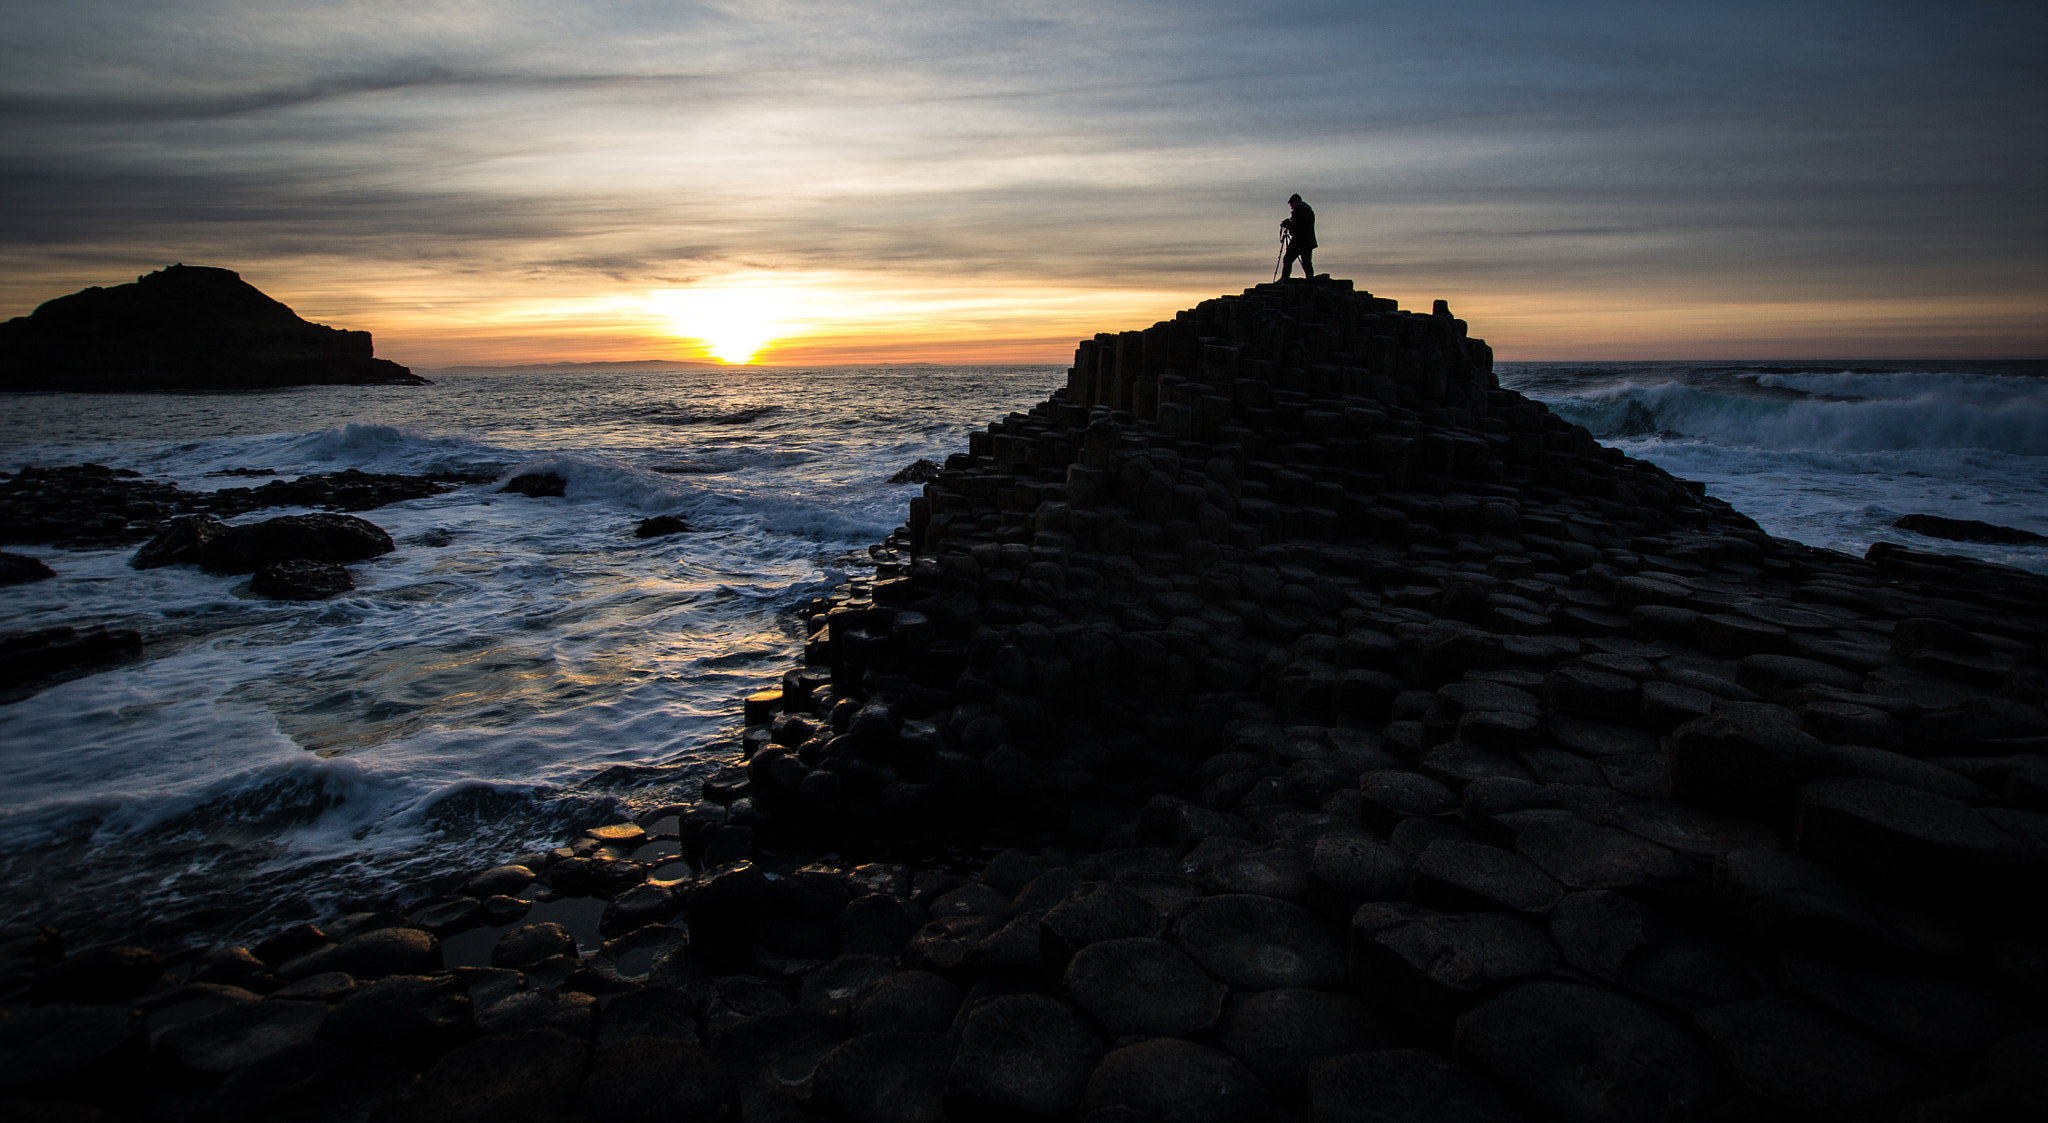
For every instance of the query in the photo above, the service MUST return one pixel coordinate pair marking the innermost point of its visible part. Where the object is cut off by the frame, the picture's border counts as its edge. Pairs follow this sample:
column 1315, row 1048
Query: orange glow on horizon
column 427, row 318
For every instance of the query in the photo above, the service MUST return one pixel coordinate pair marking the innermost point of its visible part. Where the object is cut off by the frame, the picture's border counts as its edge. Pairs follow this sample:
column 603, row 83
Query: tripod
column 1285, row 234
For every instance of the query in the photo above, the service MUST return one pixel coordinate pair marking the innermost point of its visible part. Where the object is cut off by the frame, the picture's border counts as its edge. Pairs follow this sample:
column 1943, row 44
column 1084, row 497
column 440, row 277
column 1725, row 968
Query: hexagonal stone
column 1346, row 871
column 523, row 947
column 653, row 1078
column 624, row 835
column 1730, row 634
column 780, row 1049
column 1597, row 930
column 1457, row 764
column 907, row 1002
column 1144, row 987
column 1689, row 830
column 1657, row 623
column 649, row 1012
column 572, row 1013
column 1770, row 675
column 412, row 1017
column 1746, row 759
column 1582, row 856
column 1474, row 877
column 1908, row 772
column 1272, row 871
column 1936, row 849
column 1430, row 964
column 505, row 880
column 834, row 987
column 1477, row 695
column 1386, row 798
column 1259, row 943
column 241, row 1034
column 53, row 1049
column 1023, row 1053
column 1664, row 706
column 372, row 955
column 1598, row 738
column 1806, row 1063
column 1587, row 691
column 1683, row 970
column 877, row 924
column 1572, row 1052
column 102, row 974
column 1916, row 634
column 887, row 1078
column 1939, row 1020
column 1402, row 1086
column 1279, row 1034
column 1096, row 911
column 1500, row 730
column 504, row 1076
column 1178, row 1080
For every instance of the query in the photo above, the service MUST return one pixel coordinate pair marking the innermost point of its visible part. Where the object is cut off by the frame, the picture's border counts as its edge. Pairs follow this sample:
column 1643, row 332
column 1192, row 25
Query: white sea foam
column 543, row 667
column 1829, row 456
column 536, row 672
column 1902, row 414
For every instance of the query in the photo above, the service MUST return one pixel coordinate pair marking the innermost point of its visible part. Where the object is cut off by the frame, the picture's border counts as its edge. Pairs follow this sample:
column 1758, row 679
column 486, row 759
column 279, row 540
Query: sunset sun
column 734, row 324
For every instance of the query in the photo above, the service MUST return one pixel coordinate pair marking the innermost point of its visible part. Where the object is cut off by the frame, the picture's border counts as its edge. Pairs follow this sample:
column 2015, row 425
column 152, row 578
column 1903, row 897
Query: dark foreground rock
column 916, row 472
column 179, row 328
column 300, row 579
column 327, row 538
column 1967, row 530
column 536, row 485
column 1280, row 721
column 19, row 569
column 661, row 526
column 29, row 656
column 92, row 505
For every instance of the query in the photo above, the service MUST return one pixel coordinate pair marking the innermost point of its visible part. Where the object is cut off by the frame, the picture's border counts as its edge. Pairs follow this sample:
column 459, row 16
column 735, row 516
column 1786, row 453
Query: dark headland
column 184, row 327
column 1281, row 721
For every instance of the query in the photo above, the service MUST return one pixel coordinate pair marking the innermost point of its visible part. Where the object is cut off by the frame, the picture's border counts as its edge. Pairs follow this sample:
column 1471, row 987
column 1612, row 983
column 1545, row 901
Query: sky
column 502, row 181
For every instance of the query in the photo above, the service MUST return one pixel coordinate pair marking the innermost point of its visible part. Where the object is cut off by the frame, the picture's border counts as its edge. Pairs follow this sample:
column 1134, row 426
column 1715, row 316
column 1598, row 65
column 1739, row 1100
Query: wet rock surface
column 1282, row 721
column 93, row 506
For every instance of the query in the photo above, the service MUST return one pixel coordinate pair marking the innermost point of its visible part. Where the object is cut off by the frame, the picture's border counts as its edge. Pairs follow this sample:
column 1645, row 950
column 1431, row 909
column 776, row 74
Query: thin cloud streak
column 1574, row 157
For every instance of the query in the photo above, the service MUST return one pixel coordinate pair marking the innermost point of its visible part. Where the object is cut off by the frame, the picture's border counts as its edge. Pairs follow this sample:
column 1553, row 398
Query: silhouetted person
column 1300, row 225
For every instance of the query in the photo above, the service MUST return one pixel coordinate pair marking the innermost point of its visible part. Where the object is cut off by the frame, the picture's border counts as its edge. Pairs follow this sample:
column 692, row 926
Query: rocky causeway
column 1280, row 721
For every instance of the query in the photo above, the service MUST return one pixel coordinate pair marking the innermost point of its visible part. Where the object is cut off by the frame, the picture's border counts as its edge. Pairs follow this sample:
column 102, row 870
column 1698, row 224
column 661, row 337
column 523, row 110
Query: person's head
column 1294, row 200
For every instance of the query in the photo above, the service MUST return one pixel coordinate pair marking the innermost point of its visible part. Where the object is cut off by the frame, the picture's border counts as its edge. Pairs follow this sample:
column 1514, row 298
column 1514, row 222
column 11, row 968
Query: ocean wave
column 391, row 448
column 1902, row 416
column 741, row 416
column 603, row 479
column 1904, row 385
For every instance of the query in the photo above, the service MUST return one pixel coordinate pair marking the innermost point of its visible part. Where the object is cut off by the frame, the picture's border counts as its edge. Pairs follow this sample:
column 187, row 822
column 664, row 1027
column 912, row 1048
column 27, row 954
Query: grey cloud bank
column 1725, row 153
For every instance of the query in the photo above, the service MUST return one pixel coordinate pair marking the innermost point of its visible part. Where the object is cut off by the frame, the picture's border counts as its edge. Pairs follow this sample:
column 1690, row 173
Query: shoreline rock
column 1967, row 530
column 182, row 328
column 1280, row 706
column 90, row 506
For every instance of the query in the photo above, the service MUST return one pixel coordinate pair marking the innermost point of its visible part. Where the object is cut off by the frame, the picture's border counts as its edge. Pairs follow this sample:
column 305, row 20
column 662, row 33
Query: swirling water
column 1830, row 454
column 521, row 668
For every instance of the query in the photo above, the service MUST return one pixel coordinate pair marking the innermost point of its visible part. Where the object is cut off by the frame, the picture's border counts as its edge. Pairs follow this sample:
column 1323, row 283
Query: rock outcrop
column 1282, row 721
column 91, row 505
column 181, row 328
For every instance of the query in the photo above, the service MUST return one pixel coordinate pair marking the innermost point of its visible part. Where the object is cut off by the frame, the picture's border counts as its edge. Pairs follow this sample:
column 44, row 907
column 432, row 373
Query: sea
column 520, row 669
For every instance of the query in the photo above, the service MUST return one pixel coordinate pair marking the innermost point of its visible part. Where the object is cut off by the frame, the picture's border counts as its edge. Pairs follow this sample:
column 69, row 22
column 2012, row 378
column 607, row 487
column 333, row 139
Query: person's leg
column 1308, row 267
column 1287, row 265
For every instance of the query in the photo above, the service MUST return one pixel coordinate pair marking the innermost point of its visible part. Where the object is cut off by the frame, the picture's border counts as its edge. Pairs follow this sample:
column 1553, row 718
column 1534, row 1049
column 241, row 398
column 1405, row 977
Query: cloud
column 1777, row 152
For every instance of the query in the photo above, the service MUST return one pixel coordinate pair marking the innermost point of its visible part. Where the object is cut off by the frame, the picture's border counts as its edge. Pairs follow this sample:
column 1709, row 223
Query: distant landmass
column 661, row 364
column 566, row 364
column 185, row 327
